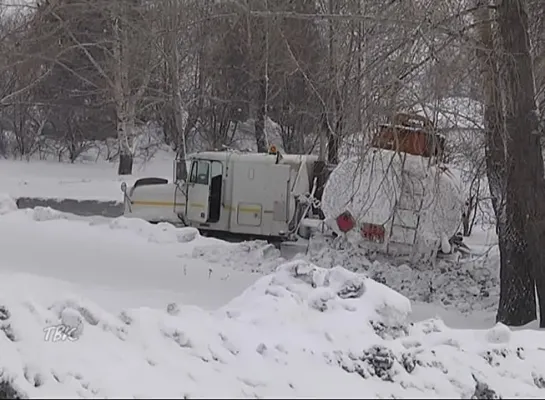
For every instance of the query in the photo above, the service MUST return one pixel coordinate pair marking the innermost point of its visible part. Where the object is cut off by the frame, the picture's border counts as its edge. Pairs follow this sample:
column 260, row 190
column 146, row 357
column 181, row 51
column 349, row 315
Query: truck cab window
column 200, row 171
column 193, row 176
column 217, row 169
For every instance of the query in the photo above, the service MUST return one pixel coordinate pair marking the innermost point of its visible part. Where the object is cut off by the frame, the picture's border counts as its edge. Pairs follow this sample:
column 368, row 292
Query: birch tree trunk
column 332, row 116
column 125, row 121
column 258, row 50
column 261, row 96
column 125, row 134
column 174, row 70
column 132, row 44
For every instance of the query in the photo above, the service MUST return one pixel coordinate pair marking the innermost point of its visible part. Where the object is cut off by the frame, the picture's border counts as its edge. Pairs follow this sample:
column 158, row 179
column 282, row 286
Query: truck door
column 198, row 190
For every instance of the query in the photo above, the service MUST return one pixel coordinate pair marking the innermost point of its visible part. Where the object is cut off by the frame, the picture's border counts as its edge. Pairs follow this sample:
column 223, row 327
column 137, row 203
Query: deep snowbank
column 253, row 256
column 469, row 285
column 303, row 331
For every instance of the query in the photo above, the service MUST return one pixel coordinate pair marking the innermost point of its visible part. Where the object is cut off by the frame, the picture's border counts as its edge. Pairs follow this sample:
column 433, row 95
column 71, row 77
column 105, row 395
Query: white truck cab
column 252, row 194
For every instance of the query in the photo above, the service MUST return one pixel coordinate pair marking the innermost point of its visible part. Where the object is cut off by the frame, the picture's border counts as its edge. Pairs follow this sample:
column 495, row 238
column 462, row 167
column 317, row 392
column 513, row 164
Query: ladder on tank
column 407, row 212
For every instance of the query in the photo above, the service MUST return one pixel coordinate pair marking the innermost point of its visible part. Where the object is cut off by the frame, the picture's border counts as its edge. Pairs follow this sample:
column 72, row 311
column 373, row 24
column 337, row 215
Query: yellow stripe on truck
column 197, row 205
column 249, row 209
column 156, row 203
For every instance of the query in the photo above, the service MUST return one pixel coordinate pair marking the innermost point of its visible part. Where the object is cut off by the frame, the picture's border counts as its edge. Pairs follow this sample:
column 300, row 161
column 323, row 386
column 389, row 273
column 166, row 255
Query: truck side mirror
column 180, row 170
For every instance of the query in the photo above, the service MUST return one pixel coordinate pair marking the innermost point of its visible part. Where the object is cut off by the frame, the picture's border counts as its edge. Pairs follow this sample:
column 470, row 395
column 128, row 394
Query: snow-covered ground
column 166, row 312
column 464, row 294
column 152, row 316
column 128, row 263
column 78, row 181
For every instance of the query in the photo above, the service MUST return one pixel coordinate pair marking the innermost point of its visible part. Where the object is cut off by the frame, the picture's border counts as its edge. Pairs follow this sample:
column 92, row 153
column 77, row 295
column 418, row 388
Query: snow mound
column 157, row 233
column 42, row 214
column 254, row 256
column 162, row 233
column 7, row 204
column 468, row 286
column 303, row 331
column 336, row 289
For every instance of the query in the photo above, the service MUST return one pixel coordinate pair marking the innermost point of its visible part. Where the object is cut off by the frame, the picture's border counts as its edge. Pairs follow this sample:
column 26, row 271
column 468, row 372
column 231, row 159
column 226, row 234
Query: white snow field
column 128, row 262
column 78, row 181
column 153, row 317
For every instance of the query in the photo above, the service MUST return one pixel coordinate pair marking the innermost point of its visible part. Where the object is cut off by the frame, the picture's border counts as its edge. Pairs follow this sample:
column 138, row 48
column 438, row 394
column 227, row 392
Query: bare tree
column 514, row 158
column 120, row 53
column 20, row 75
column 517, row 299
column 526, row 181
column 173, row 18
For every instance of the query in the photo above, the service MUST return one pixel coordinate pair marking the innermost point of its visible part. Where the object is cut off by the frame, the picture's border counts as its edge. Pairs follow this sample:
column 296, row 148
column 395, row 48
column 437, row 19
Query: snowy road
column 84, row 208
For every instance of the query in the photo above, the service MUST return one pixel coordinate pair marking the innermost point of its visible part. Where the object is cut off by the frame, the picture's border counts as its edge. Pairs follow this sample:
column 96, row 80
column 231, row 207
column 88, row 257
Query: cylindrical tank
column 370, row 188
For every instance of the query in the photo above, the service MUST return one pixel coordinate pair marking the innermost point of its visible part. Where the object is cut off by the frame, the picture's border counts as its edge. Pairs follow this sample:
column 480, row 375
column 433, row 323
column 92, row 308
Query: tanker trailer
column 399, row 203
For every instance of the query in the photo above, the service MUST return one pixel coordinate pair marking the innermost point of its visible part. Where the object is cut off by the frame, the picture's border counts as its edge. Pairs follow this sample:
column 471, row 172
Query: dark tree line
column 205, row 71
